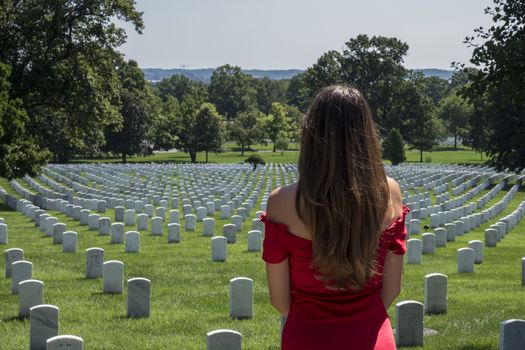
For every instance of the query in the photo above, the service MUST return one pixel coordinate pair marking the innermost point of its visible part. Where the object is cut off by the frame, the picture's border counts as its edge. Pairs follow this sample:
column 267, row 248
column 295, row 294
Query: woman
column 334, row 241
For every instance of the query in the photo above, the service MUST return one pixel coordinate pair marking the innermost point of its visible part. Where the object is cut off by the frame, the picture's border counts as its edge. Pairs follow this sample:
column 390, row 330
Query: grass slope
column 190, row 294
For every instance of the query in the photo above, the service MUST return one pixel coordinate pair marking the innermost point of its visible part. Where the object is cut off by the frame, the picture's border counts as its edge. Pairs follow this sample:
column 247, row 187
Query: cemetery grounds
column 190, row 293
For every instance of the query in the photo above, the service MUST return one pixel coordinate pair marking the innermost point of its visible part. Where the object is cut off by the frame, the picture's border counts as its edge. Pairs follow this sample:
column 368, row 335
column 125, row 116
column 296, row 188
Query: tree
column 19, row 154
column 176, row 86
column 500, row 82
column 374, row 65
column 255, row 159
column 419, row 128
column 297, row 94
column 436, row 88
column 325, row 72
column 394, row 147
column 188, row 137
column 269, row 91
column 129, row 137
column 163, row 132
column 277, row 124
column 208, row 128
column 231, row 91
column 246, row 128
column 454, row 111
column 63, row 57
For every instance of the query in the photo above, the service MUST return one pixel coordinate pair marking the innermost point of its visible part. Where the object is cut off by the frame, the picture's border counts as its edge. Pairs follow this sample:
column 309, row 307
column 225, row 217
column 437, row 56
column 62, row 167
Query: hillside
column 204, row 74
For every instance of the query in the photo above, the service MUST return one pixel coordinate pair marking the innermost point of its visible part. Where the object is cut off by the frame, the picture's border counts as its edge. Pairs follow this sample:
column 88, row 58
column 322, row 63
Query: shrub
column 394, row 147
column 255, row 159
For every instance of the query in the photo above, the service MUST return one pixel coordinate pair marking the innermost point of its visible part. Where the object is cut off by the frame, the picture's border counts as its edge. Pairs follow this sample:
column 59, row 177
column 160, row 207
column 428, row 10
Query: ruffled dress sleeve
column 275, row 243
column 398, row 234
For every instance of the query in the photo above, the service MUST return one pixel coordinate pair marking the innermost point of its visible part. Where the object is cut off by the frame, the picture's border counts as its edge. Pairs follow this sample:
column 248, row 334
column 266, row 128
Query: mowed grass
column 190, row 294
column 448, row 156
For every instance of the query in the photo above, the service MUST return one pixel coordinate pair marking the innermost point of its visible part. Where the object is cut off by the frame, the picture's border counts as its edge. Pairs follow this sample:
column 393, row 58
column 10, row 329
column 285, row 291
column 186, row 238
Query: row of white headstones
column 431, row 280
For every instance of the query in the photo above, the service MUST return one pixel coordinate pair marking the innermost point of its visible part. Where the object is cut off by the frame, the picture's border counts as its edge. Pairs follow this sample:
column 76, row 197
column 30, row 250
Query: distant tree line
column 66, row 91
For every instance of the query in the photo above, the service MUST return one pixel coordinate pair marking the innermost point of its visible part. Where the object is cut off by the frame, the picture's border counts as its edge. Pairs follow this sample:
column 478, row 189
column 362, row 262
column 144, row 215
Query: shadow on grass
column 476, row 347
column 15, row 319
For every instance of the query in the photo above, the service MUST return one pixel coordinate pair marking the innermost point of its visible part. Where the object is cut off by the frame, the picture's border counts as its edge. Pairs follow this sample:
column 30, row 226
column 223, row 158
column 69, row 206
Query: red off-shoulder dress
column 324, row 318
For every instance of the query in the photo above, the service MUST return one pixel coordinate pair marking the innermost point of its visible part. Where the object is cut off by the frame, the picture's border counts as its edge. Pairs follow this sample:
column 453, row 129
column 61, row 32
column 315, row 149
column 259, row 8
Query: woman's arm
column 279, row 285
column 392, row 272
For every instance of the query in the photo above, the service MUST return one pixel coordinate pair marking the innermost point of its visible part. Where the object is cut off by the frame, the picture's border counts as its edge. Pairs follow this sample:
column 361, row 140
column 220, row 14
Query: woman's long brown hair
column 343, row 192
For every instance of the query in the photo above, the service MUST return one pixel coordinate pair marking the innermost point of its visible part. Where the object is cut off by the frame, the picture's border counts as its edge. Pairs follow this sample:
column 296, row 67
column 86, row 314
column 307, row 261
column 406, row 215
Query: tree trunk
column 421, row 155
column 274, row 148
column 124, row 157
column 455, row 141
column 481, row 155
column 206, row 156
column 242, row 149
column 193, row 156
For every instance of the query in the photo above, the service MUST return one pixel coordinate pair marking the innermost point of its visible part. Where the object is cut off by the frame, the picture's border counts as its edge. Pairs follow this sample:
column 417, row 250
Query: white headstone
column 223, row 339
column 409, row 323
column 142, row 222
column 94, row 262
column 218, row 248
column 465, row 260
column 31, row 293
column 174, row 233
column 414, row 250
column 230, row 232
column 132, row 242
column 157, row 223
column 58, row 232
column 139, row 297
column 436, row 292
column 478, row 247
column 69, row 242
column 511, row 335
column 429, row 243
column 61, row 342
column 190, row 222
column 241, row 297
column 43, row 324
column 117, row 232
column 254, row 240
column 12, row 255
column 113, row 277
column 208, row 227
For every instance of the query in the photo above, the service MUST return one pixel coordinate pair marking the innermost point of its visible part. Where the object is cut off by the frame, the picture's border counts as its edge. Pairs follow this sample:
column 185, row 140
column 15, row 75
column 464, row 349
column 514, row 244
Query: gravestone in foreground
column 113, row 277
column 65, row 342
column 241, row 297
column 511, row 335
column 30, row 293
column 436, row 290
column 409, row 323
column 139, row 297
column 223, row 339
column 43, row 324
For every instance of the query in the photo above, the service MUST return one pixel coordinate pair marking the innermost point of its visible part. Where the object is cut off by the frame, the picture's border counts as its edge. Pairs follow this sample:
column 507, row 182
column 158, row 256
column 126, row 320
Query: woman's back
column 331, row 246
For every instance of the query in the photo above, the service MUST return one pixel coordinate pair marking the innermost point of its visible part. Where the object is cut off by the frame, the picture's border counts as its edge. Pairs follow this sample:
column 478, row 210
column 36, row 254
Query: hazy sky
column 283, row 34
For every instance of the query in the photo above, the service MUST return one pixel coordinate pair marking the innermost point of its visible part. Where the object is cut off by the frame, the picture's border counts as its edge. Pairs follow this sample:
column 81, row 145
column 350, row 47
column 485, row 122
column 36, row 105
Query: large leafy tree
column 175, row 86
column 277, row 125
column 268, row 91
column 163, row 133
column 63, row 57
column 246, row 129
column 418, row 126
column 500, row 82
column 130, row 137
column 209, row 129
column 454, row 112
column 375, row 66
column 231, row 91
column 188, row 137
column 19, row 154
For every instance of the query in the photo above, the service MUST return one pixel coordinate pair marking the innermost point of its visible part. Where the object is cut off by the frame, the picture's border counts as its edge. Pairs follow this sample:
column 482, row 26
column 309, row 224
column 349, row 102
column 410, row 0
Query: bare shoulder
column 281, row 203
column 395, row 196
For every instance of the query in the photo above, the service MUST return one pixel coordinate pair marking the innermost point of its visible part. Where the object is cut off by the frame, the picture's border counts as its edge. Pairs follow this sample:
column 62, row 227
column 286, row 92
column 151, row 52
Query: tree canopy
column 497, row 88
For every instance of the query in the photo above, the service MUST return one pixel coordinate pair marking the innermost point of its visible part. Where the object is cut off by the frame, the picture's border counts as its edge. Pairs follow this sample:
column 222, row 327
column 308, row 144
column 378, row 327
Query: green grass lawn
column 190, row 294
column 462, row 155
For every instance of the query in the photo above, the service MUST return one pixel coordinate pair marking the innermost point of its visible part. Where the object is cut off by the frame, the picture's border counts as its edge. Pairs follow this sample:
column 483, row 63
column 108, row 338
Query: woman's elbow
column 283, row 306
